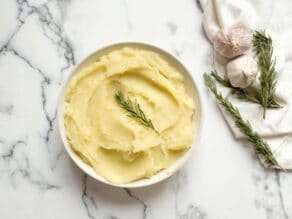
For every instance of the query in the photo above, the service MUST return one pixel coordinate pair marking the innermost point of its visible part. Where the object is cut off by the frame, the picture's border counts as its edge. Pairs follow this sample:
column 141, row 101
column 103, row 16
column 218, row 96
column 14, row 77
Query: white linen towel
column 275, row 18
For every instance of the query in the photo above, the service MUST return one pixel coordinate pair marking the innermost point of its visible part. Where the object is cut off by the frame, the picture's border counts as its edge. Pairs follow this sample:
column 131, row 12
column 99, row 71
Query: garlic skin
column 242, row 71
column 234, row 42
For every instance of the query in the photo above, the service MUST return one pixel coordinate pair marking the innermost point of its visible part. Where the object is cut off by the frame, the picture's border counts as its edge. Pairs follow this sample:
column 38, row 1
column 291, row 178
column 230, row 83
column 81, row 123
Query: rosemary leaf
column 263, row 46
column 261, row 147
column 134, row 110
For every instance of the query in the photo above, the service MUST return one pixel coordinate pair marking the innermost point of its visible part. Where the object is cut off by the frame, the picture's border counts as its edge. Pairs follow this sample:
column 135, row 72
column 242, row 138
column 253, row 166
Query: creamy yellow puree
column 118, row 147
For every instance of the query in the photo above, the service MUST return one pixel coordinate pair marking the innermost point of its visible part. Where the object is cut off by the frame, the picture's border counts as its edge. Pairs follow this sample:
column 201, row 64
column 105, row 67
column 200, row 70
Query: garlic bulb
column 234, row 42
column 242, row 71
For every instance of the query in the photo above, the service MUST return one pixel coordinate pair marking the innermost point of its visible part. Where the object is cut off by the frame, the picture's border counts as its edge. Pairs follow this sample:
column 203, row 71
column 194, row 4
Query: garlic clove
column 242, row 71
column 242, row 35
column 234, row 42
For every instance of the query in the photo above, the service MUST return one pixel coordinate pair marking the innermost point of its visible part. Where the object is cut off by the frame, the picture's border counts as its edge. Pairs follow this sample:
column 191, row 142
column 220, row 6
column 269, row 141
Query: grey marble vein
column 49, row 119
column 172, row 27
column 23, row 167
column 6, row 109
column 282, row 203
column 8, row 48
column 63, row 7
column 58, row 157
column 269, row 192
column 144, row 205
column 10, row 152
column 87, row 200
column 22, row 13
column 45, row 82
column 193, row 212
column 198, row 3
column 51, row 29
column 54, row 32
column 37, row 180
column 180, row 180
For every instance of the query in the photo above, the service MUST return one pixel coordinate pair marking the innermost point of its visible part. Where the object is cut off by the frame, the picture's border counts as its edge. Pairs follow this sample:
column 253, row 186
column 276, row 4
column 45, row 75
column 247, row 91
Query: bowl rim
column 159, row 176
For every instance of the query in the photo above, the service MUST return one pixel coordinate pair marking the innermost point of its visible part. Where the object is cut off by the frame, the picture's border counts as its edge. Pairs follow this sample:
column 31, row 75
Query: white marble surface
column 40, row 41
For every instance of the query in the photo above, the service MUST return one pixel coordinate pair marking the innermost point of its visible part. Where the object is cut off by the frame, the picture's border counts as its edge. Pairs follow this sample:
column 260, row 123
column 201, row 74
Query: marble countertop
column 40, row 41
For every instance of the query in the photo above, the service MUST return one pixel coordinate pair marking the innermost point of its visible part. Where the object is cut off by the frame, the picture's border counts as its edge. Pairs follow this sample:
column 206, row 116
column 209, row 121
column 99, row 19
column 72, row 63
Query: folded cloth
column 276, row 20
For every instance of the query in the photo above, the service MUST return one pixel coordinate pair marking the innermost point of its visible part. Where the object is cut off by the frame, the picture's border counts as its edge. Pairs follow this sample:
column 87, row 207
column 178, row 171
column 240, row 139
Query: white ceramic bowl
column 191, row 89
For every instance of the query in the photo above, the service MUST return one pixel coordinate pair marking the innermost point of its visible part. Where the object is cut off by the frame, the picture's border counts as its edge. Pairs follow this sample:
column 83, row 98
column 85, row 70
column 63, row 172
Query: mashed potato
column 118, row 147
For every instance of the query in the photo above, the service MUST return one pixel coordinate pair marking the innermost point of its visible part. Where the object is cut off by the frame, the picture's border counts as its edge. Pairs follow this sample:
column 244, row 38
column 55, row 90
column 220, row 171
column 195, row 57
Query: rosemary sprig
column 242, row 93
column 261, row 147
column 263, row 46
column 134, row 110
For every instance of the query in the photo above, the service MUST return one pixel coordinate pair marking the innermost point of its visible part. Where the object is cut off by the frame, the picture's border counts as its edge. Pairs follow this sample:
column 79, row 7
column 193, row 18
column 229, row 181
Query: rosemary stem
column 261, row 147
column 263, row 46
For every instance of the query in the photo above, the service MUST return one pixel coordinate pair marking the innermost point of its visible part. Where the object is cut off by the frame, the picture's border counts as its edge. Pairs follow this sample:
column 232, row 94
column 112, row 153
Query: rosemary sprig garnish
column 134, row 110
column 263, row 46
column 261, row 147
